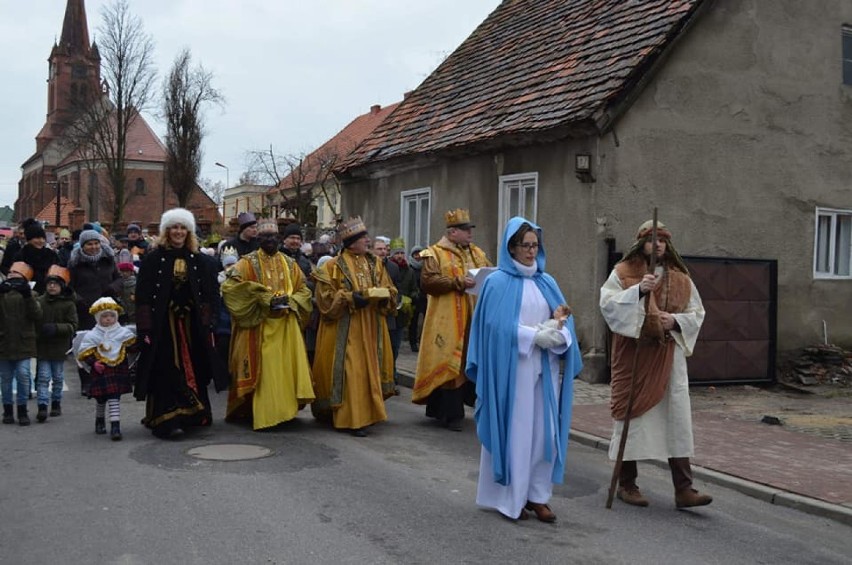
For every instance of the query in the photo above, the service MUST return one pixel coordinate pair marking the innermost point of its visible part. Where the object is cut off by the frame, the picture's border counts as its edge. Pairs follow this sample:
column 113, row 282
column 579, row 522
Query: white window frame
column 833, row 214
column 519, row 180
column 404, row 197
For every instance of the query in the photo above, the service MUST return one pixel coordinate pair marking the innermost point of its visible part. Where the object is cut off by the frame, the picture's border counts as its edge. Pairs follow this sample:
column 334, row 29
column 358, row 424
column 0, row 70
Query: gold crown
column 229, row 250
column 267, row 225
column 457, row 217
column 351, row 227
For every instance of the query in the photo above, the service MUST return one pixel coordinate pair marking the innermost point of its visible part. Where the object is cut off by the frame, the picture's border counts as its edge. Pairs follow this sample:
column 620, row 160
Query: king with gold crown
column 440, row 383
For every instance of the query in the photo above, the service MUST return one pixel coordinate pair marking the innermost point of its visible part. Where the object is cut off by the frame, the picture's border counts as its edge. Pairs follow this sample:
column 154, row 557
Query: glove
column 98, row 367
column 48, row 330
column 359, row 301
column 548, row 338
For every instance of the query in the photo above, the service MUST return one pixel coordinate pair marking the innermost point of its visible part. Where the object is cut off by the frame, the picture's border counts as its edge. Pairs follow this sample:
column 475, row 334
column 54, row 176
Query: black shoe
column 55, row 409
column 455, row 425
column 115, row 431
column 100, row 426
column 41, row 417
column 23, row 417
column 8, row 415
column 360, row 432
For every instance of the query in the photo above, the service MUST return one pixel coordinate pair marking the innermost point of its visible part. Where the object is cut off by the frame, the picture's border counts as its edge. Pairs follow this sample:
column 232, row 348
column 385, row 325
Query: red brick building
column 55, row 169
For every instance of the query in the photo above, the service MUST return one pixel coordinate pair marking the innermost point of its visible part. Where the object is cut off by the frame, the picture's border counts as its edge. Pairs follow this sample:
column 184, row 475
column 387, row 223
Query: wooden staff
column 616, row 471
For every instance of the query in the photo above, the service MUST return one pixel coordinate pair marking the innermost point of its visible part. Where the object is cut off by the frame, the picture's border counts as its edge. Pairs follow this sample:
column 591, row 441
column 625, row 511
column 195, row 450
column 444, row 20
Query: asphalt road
column 403, row 495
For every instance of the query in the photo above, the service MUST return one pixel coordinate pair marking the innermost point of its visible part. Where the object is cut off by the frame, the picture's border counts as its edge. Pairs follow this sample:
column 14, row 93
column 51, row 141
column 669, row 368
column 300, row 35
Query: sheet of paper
column 479, row 275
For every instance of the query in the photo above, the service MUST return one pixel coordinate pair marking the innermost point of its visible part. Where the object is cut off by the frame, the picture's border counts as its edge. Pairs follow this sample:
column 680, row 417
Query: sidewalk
column 805, row 465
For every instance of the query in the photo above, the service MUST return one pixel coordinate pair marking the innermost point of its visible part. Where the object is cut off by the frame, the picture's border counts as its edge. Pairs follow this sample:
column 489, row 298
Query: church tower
column 74, row 74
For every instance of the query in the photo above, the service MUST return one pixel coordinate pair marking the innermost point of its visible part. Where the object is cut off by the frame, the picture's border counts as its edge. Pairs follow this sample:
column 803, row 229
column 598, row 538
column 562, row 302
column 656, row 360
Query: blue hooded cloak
column 492, row 359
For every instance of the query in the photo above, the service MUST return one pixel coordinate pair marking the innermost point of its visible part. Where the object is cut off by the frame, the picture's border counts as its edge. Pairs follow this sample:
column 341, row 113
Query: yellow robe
column 353, row 363
column 271, row 375
column 443, row 344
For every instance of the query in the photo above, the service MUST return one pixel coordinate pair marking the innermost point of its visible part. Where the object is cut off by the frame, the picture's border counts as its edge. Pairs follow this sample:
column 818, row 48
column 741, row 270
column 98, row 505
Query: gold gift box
column 378, row 292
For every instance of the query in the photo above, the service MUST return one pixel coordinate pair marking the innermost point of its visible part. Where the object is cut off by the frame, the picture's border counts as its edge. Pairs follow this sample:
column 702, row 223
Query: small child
column 19, row 313
column 58, row 325
column 105, row 351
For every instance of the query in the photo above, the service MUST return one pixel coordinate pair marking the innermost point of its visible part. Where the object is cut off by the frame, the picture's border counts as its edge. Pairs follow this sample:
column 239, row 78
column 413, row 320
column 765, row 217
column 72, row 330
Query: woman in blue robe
column 521, row 329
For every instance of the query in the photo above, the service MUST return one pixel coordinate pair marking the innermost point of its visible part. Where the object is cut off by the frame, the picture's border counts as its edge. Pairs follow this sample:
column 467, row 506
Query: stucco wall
column 741, row 133
column 746, row 129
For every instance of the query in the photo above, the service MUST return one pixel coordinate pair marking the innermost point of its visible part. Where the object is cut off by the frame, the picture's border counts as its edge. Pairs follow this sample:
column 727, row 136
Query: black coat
column 91, row 281
column 12, row 249
column 153, row 295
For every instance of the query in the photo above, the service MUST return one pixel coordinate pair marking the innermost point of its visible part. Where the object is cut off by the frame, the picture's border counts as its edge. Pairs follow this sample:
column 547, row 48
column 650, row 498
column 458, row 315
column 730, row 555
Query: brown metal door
column 737, row 342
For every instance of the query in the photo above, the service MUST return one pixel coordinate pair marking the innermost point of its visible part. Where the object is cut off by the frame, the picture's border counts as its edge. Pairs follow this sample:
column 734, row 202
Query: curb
column 759, row 491
column 772, row 495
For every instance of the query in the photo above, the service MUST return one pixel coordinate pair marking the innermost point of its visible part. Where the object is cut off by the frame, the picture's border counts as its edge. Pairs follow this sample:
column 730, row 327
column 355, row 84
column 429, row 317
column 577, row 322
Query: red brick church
column 57, row 170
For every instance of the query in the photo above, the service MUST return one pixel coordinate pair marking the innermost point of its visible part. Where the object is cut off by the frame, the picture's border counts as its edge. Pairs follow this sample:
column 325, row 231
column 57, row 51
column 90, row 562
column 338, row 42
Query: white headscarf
column 107, row 343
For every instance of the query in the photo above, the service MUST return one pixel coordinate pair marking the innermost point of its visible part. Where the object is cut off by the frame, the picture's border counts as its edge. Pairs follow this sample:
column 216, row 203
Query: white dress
column 665, row 430
column 530, row 473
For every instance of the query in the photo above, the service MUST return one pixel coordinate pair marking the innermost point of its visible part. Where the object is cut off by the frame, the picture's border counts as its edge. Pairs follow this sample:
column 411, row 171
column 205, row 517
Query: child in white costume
column 106, row 351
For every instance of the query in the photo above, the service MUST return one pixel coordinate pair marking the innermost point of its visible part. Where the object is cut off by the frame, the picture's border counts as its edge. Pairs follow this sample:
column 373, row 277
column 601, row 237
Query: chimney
column 375, row 108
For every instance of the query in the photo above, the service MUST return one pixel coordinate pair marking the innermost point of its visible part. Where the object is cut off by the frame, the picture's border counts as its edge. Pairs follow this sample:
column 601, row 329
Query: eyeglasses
column 528, row 246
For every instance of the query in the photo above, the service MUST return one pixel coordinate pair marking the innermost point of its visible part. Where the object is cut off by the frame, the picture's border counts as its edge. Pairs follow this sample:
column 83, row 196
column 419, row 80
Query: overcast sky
column 294, row 72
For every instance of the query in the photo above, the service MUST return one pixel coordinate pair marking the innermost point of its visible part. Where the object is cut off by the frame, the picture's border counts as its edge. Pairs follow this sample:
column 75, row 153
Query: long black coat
column 40, row 260
column 153, row 292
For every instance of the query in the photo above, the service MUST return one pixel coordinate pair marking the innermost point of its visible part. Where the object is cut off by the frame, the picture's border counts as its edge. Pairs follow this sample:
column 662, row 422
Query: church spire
column 75, row 29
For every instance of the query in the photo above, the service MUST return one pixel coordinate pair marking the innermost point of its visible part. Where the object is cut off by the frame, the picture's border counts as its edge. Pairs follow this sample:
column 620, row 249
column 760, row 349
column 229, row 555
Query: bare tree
column 99, row 132
column 186, row 91
column 215, row 190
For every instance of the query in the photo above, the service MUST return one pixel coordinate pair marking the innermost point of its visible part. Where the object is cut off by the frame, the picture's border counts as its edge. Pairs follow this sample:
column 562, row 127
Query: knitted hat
column 88, row 235
column 33, row 229
column 175, row 216
column 133, row 227
column 123, row 266
column 292, row 229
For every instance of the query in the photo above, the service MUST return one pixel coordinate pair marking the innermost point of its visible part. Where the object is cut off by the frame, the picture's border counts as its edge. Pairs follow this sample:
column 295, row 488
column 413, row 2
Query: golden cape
column 443, row 344
column 271, row 377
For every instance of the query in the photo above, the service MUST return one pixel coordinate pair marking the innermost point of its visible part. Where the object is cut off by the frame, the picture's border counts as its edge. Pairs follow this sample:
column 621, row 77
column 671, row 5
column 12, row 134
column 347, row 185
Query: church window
column 140, row 186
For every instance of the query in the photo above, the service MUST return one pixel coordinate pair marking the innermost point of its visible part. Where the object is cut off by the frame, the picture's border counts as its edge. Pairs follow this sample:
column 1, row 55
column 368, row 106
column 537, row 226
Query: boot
column 8, row 417
column 100, row 426
column 85, row 381
column 42, row 413
column 55, row 409
column 23, row 418
column 628, row 492
column 685, row 495
column 115, row 431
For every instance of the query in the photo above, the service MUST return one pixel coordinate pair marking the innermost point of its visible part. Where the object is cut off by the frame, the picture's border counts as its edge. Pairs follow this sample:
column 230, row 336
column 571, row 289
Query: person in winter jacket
column 36, row 253
column 57, row 328
column 19, row 313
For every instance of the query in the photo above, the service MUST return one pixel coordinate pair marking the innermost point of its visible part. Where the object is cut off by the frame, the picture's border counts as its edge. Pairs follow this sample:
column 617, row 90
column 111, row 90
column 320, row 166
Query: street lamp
column 227, row 184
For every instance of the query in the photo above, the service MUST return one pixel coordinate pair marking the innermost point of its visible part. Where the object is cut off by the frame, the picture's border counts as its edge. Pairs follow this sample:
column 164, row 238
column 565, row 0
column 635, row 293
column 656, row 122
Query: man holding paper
column 440, row 383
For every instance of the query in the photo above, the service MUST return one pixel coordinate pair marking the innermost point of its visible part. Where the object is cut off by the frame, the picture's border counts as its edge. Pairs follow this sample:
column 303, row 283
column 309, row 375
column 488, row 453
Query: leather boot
column 8, row 415
column 41, row 417
column 685, row 495
column 628, row 492
column 100, row 426
column 23, row 417
column 55, row 409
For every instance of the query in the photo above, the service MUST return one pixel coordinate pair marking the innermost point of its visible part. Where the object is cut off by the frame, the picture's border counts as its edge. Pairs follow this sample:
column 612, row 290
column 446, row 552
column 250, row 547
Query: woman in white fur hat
column 175, row 298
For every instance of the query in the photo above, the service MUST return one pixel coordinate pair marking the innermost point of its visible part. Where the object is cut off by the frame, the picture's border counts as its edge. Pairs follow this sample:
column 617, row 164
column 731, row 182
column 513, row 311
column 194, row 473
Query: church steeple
column 74, row 74
column 75, row 29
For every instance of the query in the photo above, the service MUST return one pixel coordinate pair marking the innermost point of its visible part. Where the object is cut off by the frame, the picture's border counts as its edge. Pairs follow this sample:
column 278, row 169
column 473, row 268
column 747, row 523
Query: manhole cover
column 229, row 452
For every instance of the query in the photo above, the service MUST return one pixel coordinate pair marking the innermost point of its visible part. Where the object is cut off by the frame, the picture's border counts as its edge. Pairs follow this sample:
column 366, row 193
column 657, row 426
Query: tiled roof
column 48, row 213
column 337, row 149
column 532, row 66
column 142, row 145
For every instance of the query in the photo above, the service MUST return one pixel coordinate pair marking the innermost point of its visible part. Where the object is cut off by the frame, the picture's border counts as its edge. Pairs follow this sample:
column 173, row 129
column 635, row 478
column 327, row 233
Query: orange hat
column 57, row 272
column 22, row 269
